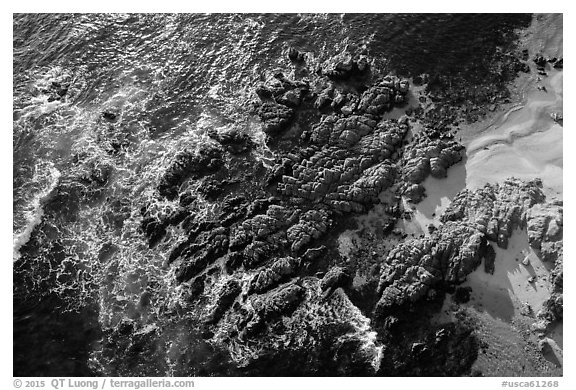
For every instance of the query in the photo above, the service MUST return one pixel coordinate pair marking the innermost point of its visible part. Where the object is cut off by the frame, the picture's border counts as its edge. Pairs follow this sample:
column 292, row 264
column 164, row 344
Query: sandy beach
column 525, row 140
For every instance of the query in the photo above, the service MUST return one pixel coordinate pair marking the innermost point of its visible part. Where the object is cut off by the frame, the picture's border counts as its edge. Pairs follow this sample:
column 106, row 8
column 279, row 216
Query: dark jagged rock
column 416, row 265
column 213, row 189
column 345, row 104
column 232, row 140
column 496, row 209
column 271, row 276
column 275, row 117
column 324, row 98
column 545, row 235
column 261, row 226
column 282, row 301
column 544, row 226
column 427, row 156
column 188, row 164
column 351, row 168
column 154, row 229
column 109, row 116
column 462, row 294
column 228, row 293
column 196, row 256
column 311, row 225
column 295, row 56
column 539, row 60
column 314, row 253
column 233, row 209
column 559, row 64
column 489, row 260
column 283, row 91
column 457, row 247
column 344, row 66
column 336, row 277
column 383, row 96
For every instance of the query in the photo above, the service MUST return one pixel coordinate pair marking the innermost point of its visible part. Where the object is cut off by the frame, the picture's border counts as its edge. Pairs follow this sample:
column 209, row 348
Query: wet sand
column 523, row 142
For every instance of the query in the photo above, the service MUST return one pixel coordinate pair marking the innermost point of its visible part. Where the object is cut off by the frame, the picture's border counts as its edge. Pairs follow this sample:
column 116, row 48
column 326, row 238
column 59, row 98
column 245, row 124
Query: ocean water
column 81, row 264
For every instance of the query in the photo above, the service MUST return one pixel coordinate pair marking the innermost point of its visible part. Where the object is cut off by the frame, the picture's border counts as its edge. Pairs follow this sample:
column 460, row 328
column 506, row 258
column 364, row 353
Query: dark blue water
column 81, row 263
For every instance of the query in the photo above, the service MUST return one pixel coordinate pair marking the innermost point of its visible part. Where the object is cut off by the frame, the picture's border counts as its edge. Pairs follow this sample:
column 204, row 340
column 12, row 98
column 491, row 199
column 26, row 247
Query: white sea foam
column 34, row 213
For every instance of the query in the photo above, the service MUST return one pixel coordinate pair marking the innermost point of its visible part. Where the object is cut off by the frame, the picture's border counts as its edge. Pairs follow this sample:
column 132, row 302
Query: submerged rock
column 295, row 56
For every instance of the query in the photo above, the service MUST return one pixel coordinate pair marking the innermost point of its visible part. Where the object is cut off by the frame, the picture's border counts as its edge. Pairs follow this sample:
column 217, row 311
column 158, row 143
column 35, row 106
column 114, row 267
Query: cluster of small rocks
column 280, row 97
column 541, row 62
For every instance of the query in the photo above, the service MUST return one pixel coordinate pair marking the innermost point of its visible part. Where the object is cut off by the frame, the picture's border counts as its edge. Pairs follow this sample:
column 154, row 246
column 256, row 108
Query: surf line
column 36, row 214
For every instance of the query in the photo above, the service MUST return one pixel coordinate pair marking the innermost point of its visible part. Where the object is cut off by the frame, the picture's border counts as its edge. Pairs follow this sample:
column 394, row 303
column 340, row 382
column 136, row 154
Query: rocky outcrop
column 541, row 62
column 544, row 226
column 195, row 255
column 189, row 164
column 559, row 64
column 275, row 117
column 382, row 96
column 351, row 168
column 296, row 56
column 496, row 209
column 279, row 97
column 545, row 235
column 345, row 65
column 249, row 247
column 281, row 301
column 417, row 265
column 228, row 293
column 312, row 224
column 427, row 155
column 269, row 277
column 336, row 277
column 457, row 247
column 234, row 141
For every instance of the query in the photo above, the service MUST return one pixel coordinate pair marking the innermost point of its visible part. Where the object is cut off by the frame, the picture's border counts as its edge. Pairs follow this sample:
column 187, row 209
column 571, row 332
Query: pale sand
column 524, row 142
